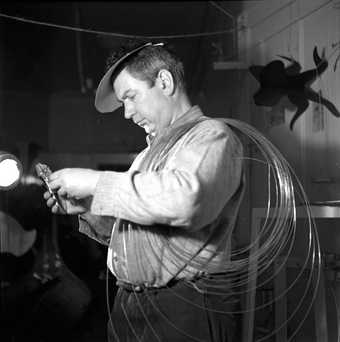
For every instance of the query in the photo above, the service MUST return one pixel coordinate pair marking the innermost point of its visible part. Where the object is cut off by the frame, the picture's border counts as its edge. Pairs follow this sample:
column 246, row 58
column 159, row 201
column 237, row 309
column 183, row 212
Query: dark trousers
column 180, row 313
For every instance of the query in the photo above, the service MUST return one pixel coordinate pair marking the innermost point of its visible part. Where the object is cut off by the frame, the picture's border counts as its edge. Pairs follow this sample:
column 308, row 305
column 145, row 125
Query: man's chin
column 148, row 129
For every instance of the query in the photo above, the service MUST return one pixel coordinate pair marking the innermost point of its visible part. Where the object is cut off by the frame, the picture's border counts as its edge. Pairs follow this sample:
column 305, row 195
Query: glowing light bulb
column 10, row 171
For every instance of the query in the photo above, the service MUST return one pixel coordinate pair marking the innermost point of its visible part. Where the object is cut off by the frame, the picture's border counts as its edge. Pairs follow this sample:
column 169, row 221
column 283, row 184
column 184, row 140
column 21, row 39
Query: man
column 168, row 220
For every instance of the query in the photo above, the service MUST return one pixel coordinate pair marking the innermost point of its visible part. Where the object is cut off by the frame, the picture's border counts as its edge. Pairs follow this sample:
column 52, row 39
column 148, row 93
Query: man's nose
column 128, row 111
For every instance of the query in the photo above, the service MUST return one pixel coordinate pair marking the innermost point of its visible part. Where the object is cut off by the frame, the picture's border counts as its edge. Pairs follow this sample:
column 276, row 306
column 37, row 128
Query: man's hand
column 74, row 183
column 74, row 187
column 70, row 206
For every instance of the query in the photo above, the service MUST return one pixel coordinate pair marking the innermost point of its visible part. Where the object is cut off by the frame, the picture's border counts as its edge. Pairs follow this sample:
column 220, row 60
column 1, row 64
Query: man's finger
column 55, row 208
column 50, row 202
column 47, row 195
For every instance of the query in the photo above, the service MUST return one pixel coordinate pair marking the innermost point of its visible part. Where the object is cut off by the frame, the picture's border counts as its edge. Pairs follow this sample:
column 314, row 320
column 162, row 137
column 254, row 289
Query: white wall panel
column 293, row 28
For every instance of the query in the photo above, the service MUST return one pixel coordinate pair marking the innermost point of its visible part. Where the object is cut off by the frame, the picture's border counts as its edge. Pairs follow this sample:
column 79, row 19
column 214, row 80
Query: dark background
column 48, row 77
column 49, row 74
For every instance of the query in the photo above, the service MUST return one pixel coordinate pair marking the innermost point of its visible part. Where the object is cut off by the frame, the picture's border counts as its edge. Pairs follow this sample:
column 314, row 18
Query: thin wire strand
column 223, row 11
column 336, row 311
column 233, row 22
column 108, row 306
column 113, row 34
column 292, row 23
column 274, row 236
column 189, row 35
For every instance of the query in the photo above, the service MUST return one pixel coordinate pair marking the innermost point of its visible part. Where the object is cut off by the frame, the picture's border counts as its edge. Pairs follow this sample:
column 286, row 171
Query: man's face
column 147, row 107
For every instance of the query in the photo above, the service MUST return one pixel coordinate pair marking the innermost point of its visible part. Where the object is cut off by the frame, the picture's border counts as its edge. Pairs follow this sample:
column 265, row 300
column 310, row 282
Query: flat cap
column 105, row 100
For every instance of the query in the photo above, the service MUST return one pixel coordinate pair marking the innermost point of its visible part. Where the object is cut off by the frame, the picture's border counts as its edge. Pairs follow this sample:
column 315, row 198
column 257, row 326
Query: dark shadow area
column 53, row 280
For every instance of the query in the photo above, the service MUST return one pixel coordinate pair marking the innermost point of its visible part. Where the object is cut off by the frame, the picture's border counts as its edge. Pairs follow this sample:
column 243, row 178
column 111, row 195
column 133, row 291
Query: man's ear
column 165, row 81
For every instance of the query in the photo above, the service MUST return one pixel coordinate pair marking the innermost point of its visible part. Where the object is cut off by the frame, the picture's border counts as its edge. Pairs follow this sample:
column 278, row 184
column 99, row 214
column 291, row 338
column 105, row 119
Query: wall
column 293, row 29
column 269, row 28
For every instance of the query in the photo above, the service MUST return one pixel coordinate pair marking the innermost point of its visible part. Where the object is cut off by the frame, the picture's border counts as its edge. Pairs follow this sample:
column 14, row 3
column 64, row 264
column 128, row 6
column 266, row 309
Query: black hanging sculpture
column 277, row 81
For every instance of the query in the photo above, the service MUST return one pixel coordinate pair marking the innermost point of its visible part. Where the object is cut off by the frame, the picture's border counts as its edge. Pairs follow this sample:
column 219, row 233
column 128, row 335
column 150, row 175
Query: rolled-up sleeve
column 202, row 172
column 96, row 227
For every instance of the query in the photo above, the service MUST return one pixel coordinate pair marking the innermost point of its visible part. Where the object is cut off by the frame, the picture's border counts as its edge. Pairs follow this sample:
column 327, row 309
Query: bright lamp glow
column 10, row 171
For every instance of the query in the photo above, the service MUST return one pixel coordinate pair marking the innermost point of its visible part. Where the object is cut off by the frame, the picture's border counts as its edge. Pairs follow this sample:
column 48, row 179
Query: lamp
column 10, row 170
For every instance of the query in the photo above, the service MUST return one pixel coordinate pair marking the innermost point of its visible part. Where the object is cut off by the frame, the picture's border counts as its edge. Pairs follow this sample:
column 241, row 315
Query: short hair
column 147, row 62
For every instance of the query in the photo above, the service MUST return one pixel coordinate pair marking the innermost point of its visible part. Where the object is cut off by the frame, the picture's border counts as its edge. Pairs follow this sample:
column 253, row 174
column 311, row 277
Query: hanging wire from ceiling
column 234, row 29
column 115, row 34
column 293, row 22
